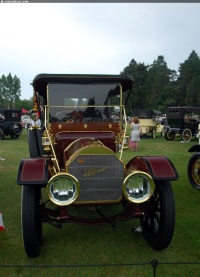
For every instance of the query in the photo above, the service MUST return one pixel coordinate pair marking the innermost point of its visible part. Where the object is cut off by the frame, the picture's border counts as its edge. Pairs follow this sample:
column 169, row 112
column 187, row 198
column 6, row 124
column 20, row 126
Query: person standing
column 35, row 121
column 136, row 130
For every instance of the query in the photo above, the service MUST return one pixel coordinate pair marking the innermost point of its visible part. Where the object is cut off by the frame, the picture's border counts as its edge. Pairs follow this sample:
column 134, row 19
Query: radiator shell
column 99, row 171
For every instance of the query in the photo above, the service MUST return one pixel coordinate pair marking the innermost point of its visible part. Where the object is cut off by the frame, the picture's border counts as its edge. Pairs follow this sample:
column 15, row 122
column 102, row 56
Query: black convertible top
column 180, row 111
column 41, row 81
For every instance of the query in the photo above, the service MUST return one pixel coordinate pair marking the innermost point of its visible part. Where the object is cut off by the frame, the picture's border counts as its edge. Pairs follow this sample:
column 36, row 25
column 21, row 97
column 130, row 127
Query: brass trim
column 35, row 127
column 152, row 187
column 55, row 164
column 83, row 106
column 65, row 175
column 100, row 150
column 124, row 133
column 62, row 132
column 49, row 136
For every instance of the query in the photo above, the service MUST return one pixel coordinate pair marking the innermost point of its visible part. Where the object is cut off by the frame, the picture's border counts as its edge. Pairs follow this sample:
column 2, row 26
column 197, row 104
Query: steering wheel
column 69, row 115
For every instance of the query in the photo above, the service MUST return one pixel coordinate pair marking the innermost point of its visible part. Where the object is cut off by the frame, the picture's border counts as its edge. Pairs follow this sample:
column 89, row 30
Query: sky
column 93, row 38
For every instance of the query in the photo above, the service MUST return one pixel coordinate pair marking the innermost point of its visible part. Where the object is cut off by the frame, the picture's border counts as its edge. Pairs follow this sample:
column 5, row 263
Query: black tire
column 15, row 130
column 158, row 224
column 14, row 136
column 193, row 171
column 31, row 222
column 2, row 133
column 169, row 136
column 186, row 135
column 33, row 143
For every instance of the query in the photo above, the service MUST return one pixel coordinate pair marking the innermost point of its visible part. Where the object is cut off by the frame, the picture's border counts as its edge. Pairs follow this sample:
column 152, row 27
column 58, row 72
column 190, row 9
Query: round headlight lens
column 138, row 187
column 63, row 189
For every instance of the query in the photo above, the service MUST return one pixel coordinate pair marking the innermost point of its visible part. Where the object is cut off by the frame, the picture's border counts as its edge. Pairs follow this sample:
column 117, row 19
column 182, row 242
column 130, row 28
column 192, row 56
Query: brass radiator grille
column 100, row 177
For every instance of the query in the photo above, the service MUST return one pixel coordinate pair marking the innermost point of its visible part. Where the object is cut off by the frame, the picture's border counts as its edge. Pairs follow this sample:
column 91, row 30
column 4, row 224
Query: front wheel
column 159, row 222
column 16, row 130
column 31, row 222
column 193, row 171
column 186, row 135
column 14, row 136
column 169, row 136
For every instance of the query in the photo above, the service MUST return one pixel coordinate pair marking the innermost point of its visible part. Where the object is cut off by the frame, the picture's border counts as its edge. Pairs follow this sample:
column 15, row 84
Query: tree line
column 10, row 92
column 156, row 86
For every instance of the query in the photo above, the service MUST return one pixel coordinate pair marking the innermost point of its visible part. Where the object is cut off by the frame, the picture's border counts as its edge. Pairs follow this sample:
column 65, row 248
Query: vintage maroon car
column 75, row 162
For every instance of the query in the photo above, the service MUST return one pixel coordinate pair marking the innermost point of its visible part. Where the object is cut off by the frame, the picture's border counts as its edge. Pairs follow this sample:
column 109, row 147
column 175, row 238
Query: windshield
column 83, row 101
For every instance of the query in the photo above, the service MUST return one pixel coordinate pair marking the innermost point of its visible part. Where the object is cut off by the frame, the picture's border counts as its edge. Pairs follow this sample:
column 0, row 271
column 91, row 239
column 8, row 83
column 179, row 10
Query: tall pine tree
column 188, row 88
column 10, row 90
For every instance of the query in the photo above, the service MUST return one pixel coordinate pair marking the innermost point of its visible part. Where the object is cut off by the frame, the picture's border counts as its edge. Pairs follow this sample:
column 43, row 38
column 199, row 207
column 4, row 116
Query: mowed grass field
column 77, row 250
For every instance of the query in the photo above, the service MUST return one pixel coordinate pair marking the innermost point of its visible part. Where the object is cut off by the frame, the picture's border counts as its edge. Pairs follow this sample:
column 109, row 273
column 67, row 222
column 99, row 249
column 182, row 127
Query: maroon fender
column 159, row 167
column 33, row 171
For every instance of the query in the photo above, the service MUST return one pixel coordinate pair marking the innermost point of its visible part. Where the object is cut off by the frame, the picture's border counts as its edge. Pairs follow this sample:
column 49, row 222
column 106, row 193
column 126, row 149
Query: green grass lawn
column 105, row 252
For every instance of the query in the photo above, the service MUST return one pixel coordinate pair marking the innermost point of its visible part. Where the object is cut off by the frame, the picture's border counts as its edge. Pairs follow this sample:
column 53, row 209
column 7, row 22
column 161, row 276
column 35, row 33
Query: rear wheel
column 31, row 222
column 158, row 223
column 169, row 136
column 193, row 171
column 186, row 135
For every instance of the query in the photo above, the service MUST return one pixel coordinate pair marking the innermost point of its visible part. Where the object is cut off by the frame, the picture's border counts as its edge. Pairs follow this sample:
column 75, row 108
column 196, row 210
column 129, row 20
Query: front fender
column 33, row 171
column 159, row 167
column 194, row 148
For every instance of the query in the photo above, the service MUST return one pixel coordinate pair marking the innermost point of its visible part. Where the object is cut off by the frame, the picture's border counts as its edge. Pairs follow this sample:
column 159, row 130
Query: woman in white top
column 35, row 121
column 136, row 130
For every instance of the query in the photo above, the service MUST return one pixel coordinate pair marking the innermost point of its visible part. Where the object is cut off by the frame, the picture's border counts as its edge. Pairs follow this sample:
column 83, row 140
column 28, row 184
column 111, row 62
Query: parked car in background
column 182, row 122
column 149, row 120
column 10, row 123
column 74, row 165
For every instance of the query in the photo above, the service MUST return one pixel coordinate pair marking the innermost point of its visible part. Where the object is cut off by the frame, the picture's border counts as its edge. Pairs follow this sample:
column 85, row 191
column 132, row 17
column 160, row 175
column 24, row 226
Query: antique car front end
column 94, row 175
column 76, row 160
